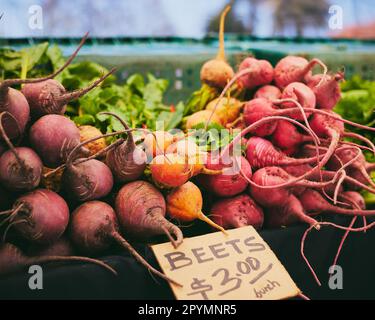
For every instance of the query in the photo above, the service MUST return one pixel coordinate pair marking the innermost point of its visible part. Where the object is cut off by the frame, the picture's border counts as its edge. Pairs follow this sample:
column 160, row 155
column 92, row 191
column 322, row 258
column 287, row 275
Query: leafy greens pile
column 138, row 101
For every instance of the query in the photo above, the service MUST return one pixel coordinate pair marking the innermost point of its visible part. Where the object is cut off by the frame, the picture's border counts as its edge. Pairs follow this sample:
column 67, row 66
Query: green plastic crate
column 179, row 60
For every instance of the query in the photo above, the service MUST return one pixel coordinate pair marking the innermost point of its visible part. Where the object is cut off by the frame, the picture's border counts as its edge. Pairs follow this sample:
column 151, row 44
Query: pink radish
column 300, row 93
column 287, row 137
column 314, row 203
column 261, row 153
column 294, row 69
column 231, row 182
column 237, row 212
column 328, row 93
column 269, row 92
column 292, row 212
column 258, row 73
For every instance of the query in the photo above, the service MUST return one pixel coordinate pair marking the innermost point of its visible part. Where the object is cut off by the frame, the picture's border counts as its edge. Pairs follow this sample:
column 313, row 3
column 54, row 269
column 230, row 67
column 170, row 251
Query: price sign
column 238, row 266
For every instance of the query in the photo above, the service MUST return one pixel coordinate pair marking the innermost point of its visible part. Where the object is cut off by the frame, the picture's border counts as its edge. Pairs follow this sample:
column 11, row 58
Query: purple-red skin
column 268, row 198
column 230, row 182
column 237, row 212
column 141, row 210
column 46, row 214
column 92, row 225
column 287, row 137
column 302, row 94
column 257, row 109
column 17, row 177
column 262, row 73
column 14, row 102
column 269, row 92
column 88, row 180
column 261, row 153
column 133, row 204
column 328, row 94
column 291, row 69
column 292, row 212
column 355, row 197
column 39, row 97
column 53, row 137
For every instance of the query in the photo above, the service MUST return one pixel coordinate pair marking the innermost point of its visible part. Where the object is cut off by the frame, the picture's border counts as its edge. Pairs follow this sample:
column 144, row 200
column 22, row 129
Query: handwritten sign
column 238, row 266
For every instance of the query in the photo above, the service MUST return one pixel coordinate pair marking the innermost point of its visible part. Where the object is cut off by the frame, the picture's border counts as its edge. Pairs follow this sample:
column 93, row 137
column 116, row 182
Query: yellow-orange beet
column 163, row 140
column 217, row 72
column 53, row 181
column 185, row 204
column 228, row 110
column 88, row 132
column 201, row 117
column 170, row 170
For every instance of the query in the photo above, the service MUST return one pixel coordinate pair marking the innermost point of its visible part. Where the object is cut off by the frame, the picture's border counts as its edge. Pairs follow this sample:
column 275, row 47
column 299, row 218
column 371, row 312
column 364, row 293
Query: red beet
column 237, row 212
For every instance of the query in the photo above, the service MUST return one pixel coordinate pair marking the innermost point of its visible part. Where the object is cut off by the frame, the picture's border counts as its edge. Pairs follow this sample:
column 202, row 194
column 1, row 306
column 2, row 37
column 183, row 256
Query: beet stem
column 125, row 244
column 67, row 97
column 49, row 259
column 221, row 52
column 361, row 138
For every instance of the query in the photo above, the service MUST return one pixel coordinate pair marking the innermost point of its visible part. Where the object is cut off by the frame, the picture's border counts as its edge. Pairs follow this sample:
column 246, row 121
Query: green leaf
column 86, row 119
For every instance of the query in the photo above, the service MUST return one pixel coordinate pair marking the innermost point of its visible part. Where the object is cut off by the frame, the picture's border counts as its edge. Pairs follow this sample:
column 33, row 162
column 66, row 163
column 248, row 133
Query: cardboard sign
column 216, row 266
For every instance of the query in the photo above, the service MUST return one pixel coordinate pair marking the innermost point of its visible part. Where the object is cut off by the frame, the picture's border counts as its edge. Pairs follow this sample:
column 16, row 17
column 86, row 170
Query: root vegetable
column 237, row 212
column 287, row 137
column 157, row 143
column 20, row 168
column 313, row 203
column 86, row 180
column 294, row 69
column 231, row 182
column 50, row 96
column 228, row 109
column 185, row 204
column 261, row 153
column 16, row 104
column 53, row 137
column 140, row 209
column 217, row 72
column 300, row 93
column 171, row 170
column 126, row 161
column 258, row 73
column 328, row 93
column 40, row 216
column 94, row 227
column 201, row 117
column 88, row 132
column 269, row 92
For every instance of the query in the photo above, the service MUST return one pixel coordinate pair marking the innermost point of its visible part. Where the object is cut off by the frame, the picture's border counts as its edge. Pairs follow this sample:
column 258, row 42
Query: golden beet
column 88, row 132
column 227, row 110
column 185, row 204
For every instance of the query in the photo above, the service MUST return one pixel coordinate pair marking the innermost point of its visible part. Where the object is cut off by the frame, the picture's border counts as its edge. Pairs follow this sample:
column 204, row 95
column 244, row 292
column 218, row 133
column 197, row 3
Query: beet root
column 237, row 212
column 141, row 210
column 94, row 227
column 53, row 137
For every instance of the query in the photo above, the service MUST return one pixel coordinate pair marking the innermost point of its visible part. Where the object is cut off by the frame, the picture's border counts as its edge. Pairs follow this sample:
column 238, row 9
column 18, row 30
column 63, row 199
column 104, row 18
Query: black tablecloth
column 77, row 281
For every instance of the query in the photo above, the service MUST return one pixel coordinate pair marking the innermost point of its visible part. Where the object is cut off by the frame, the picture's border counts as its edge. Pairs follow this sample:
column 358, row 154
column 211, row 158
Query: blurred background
column 193, row 18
